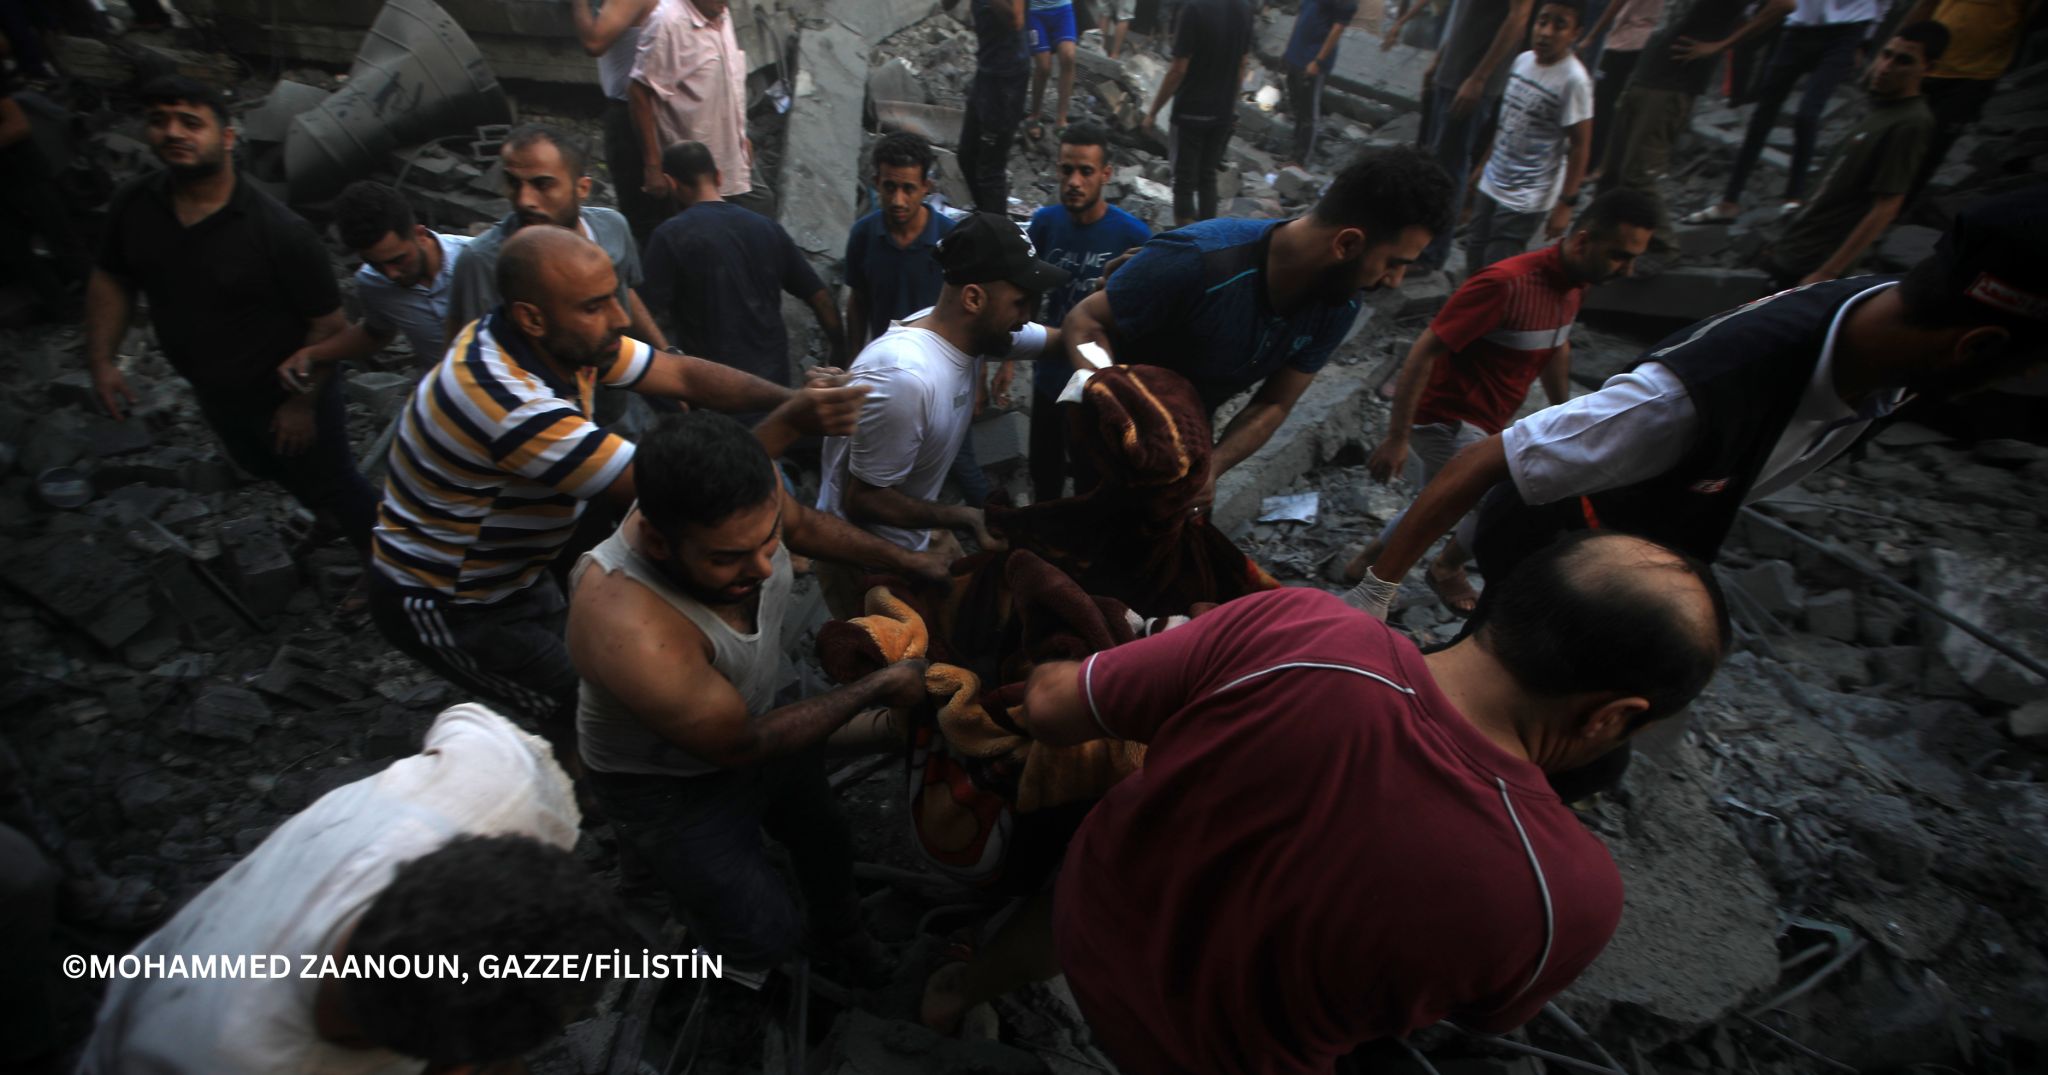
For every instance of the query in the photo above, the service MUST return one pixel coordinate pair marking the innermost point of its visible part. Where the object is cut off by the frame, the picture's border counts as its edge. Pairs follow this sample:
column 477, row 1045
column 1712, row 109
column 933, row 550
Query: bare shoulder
column 615, row 621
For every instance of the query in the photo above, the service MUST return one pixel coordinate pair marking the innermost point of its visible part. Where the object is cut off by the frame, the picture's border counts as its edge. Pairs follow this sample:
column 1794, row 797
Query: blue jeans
column 701, row 835
column 1454, row 141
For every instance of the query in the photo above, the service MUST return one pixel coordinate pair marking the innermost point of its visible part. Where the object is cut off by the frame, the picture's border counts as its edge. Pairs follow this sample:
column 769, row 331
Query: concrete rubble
column 1863, row 774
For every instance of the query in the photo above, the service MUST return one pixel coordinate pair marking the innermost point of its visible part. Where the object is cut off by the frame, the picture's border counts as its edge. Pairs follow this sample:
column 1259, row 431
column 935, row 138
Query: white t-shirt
column 1526, row 172
column 304, row 886
column 913, row 422
column 1642, row 422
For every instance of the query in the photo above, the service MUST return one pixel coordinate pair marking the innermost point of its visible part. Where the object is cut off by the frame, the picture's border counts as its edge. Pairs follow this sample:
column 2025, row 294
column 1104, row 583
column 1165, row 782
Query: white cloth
column 913, row 422
column 304, row 886
column 1642, row 423
column 420, row 311
column 1832, row 12
column 1525, row 174
column 615, row 64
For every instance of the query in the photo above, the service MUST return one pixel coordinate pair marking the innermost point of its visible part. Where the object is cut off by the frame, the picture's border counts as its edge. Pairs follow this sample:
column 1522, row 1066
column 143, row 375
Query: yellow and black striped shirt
column 492, row 465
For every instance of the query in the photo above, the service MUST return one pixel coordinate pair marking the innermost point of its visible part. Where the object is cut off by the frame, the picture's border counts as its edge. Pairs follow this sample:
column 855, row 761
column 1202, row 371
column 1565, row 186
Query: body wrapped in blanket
column 1082, row 574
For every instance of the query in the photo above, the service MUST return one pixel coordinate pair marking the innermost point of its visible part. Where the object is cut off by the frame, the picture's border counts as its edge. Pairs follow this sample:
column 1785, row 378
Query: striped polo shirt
column 493, row 463
column 1502, row 326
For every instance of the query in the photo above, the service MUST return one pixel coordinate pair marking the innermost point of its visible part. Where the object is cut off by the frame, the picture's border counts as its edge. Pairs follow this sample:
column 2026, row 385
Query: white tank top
column 614, row 740
column 615, row 64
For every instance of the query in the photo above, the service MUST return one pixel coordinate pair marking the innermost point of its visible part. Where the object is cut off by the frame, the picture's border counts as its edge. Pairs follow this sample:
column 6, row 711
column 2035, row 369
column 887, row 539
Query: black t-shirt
column 230, row 296
column 1213, row 35
column 1000, row 47
column 1706, row 20
column 716, row 272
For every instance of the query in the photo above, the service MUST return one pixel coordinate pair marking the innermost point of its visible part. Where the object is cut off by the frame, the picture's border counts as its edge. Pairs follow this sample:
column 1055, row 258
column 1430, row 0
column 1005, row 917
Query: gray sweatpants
column 1429, row 448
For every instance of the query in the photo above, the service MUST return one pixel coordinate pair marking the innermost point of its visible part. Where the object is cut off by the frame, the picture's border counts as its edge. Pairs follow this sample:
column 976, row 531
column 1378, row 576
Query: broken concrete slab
column 1330, row 415
column 896, row 80
column 230, row 714
column 87, row 586
column 2008, row 599
column 1697, row 933
column 1687, row 293
column 1773, row 585
column 260, row 565
column 821, row 163
column 1833, row 615
column 379, row 391
column 1906, row 245
column 938, row 124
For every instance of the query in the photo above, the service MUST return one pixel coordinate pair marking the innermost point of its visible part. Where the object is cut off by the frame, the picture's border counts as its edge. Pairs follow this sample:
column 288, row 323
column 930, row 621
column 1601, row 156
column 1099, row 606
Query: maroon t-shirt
column 1502, row 327
column 1319, row 852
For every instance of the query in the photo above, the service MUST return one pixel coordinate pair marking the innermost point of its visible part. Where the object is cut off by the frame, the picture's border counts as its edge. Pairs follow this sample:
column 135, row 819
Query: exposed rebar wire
column 1799, row 1046
column 1903, row 590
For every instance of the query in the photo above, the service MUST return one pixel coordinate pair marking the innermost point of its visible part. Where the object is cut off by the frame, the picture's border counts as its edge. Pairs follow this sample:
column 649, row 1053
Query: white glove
column 1373, row 595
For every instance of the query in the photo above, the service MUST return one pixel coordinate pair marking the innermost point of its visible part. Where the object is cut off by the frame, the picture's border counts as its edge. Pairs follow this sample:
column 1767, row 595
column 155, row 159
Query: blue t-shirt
column 1194, row 301
column 894, row 281
column 1312, row 26
column 1082, row 250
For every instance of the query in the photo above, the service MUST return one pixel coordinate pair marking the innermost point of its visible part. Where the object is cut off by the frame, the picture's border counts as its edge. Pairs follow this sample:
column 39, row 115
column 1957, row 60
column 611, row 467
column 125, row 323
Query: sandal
column 1456, row 593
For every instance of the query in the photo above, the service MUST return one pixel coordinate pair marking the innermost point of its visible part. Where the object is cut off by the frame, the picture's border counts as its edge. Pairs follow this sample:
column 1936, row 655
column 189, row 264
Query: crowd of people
column 587, row 523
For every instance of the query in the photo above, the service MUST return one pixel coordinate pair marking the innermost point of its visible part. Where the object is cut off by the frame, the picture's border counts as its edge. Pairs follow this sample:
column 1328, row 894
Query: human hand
column 1373, row 596
column 999, row 392
column 296, row 373
column 978, row 522
column 1314, row 68
column 1387, row 459
column 1469, row 93
column 1392, row 35
column 1686, row 48
column 291, row 426
column 825, row 377
column 906, row 687
column 654, row 181
column 824, row 411
column 932, row 567
column 1560, row 219
column 1116, row 263
column 111, row 386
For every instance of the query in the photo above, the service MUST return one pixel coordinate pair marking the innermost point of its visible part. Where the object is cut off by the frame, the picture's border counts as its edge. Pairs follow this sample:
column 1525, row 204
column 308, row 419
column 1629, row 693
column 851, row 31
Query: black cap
column 1991, row 258
column 989, row 246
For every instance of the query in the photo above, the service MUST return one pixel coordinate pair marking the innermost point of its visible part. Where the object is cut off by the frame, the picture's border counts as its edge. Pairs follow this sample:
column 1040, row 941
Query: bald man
column 498, row 454
column 1395, row 857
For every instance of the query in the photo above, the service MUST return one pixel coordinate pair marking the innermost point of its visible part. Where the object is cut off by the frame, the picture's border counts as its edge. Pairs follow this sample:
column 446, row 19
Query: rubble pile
column 1841, row 858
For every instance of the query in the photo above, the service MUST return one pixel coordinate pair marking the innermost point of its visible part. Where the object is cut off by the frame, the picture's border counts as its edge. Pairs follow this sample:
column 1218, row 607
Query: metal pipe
column 1903, row 590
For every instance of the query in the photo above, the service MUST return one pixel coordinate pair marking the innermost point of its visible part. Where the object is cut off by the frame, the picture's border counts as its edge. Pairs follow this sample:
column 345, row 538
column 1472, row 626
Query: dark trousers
column 622, row 154
column 995, row 106
column 509, row 655
column 1824, row 55
column 1454, row 142
column 323, row 477
column 1048, row 450
column 701, row 835
column 1615, row 67
column 1956, row 103
column 1197, row 152
column 1305, row 100
column 1647, row 124
column 1497, row 233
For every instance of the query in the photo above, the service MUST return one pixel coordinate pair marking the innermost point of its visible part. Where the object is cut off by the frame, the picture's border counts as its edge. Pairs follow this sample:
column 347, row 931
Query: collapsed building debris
column 1846, row 855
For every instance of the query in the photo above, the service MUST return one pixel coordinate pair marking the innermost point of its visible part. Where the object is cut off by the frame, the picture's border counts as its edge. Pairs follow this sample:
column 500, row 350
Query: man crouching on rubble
column 369, row 932
column 678, row 637
column 1358, row 838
